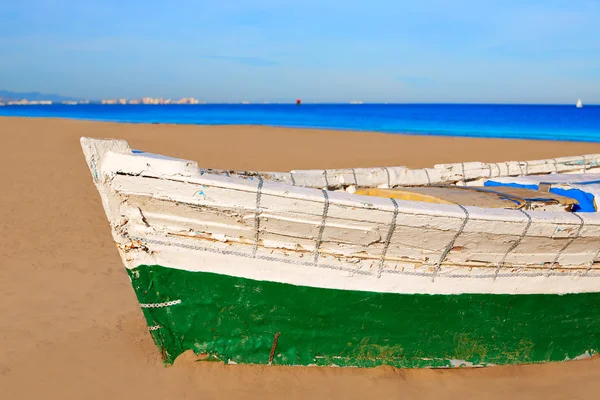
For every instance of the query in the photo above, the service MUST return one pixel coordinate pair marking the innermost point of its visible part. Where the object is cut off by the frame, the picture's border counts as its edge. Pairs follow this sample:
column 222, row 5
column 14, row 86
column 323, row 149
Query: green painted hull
column 237, row 320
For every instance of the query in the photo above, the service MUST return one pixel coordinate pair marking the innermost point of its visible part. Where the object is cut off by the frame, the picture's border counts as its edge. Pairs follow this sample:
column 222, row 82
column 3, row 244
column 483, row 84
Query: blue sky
column 516, row 51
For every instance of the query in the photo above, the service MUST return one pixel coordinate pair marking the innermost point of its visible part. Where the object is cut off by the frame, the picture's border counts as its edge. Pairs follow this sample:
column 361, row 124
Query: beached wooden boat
column 300, row 268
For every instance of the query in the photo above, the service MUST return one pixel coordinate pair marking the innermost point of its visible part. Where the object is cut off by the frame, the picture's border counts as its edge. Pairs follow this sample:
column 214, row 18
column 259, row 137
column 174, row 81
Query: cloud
column 252, row 61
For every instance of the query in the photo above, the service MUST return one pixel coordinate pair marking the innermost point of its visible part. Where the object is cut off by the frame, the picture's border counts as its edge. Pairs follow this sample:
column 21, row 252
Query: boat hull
column 252, row 269
column 241, row 320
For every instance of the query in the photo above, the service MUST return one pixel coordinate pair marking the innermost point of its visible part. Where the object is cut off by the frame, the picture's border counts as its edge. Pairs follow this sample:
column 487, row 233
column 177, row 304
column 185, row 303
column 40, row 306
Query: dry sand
column 70, row 324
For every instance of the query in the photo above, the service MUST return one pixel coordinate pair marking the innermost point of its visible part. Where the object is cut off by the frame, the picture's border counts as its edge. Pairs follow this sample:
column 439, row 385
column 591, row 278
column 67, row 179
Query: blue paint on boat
column 586, row 200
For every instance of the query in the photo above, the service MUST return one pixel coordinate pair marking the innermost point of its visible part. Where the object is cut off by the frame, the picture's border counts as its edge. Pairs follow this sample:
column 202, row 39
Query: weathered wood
column 404, row 283
column 175, row 201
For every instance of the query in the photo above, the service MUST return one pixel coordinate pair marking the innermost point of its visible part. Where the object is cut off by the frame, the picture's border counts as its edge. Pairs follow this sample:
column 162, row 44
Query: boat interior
column 565, row 184
column 568, row 187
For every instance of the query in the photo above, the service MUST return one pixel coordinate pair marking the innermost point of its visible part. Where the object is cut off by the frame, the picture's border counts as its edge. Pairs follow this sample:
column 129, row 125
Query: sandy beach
column 71, row 326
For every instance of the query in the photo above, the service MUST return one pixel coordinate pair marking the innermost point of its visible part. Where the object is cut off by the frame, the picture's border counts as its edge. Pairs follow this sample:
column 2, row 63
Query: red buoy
column 298, row 102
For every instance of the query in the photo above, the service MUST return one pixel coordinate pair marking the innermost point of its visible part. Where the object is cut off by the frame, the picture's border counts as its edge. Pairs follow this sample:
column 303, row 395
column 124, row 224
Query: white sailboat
column 579, row 103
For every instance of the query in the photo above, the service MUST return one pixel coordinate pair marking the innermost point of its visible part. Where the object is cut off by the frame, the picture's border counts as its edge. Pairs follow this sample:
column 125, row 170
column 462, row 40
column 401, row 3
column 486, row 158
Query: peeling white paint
column 583, row 356
column 169, row 212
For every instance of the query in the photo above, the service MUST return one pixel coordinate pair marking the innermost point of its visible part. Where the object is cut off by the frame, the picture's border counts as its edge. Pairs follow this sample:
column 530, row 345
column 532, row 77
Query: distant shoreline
column 304, row 128
column 94, row 103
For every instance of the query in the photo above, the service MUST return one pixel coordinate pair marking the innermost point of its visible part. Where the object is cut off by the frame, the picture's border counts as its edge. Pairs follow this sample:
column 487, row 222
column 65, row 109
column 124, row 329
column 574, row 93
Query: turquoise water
column 550, row 122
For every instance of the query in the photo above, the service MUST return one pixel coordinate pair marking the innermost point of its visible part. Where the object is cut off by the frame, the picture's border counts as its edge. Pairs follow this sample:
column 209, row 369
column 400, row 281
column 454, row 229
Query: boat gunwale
column 385, row 206
column 283, row 190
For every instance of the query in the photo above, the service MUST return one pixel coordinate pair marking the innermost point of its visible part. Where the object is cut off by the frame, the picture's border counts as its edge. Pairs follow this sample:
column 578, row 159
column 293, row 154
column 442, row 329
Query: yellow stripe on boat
column 404, row 194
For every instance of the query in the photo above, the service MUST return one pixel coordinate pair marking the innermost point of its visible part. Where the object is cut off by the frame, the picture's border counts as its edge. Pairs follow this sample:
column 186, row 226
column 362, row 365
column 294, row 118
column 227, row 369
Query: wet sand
column 70, row 324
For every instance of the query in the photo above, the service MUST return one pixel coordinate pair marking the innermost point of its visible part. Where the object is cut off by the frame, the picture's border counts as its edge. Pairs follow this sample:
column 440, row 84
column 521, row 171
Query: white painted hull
column 168, row 212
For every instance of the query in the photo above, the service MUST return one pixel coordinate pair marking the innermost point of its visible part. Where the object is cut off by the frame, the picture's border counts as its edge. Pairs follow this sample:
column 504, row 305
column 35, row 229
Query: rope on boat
column 322, row 227
column 499, row 170
column 326, row 180
column 450, row 245
column 273, row 347
column 247, row 255
column 355, row 180
column 581, row 223
column 428, row 177
column 388, row 239
column 257, row 215
column 292, row 177
column 387, row 171
column 515, row 243
column 160, row 305
column 464, row 179
column 555, row 165
column 587, row 273
column 526, row 168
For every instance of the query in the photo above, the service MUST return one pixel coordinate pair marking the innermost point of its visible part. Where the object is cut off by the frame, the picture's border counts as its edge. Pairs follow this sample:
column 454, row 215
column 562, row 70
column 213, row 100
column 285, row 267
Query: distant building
column 23, row 102
column 152, row 100
column 187, row 100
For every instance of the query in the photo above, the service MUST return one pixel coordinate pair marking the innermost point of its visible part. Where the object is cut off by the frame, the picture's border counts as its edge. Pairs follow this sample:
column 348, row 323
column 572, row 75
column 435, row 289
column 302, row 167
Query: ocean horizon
column 514, row 121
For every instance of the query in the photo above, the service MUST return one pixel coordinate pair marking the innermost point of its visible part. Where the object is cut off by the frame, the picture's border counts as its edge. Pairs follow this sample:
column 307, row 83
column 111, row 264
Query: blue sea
column 549, row 122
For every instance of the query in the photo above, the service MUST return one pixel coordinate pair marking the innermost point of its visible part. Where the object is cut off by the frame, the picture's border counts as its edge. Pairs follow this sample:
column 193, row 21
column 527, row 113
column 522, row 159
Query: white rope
column 160, row 305
column 154, row 328
column 257, row 215
column 581, row 223
column 499, row 170
column 355, row 180
column 428, row 177
column 515, row 244
column 388, row 238
column 587, row 273
column 450, row 245
column 592, row 262
column 322, row 227
column 388, row 176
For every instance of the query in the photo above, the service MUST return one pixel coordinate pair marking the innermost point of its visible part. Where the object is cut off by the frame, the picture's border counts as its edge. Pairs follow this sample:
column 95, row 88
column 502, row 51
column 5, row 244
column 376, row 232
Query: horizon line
column 266, row 103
